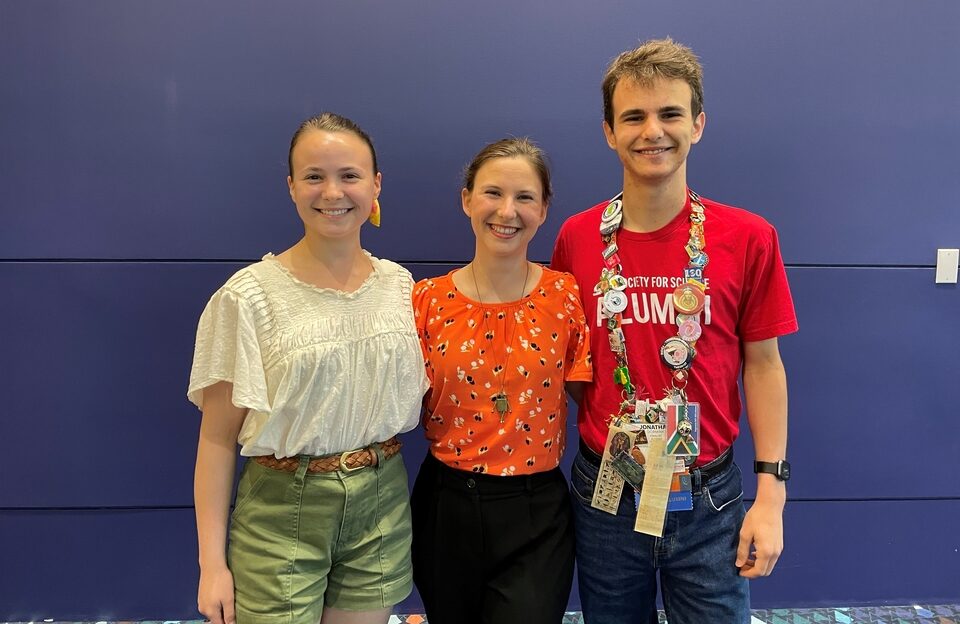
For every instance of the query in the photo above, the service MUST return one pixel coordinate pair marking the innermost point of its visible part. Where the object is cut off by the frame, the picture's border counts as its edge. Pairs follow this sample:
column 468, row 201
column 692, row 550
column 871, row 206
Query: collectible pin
column 676, row 353
column 616, row 340
column 629, row 467
column 683, row 429
column 699, row 259
column 694, row 274
column 688, row 299
column 689, row 330
column 618, row 282
column 614, row 301
column 612, row 210
column 609, row 227
column 609, row 250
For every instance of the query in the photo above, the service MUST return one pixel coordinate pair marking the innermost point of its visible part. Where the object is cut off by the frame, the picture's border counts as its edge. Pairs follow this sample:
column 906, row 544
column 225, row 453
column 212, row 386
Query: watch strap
column 780, row 469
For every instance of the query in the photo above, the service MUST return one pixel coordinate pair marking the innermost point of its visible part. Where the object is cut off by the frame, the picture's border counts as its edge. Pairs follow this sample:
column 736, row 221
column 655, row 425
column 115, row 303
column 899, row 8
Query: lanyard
column 677, row 352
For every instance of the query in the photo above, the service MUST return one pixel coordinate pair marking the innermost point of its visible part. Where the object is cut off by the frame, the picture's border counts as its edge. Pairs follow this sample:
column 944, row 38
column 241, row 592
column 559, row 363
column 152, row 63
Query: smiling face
column 332, row 182
column 653, row 128
column 506, row 205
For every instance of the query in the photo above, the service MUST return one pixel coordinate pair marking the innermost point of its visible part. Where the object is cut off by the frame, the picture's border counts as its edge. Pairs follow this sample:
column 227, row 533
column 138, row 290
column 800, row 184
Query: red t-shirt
column 465, row 347
column 748, row 300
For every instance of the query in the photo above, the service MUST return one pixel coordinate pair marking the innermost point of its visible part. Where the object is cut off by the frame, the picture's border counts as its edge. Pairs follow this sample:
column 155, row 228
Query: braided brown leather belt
column 347, row 462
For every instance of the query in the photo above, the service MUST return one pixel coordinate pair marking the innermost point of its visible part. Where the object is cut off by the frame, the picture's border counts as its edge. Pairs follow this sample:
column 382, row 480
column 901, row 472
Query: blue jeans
column 617, row 567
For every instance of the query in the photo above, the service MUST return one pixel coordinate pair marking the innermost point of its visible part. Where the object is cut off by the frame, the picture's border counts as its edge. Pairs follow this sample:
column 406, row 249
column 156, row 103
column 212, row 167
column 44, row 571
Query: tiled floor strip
column 910, row 614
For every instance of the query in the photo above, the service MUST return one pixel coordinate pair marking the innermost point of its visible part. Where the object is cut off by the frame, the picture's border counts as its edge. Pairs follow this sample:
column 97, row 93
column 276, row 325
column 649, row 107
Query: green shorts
column 300, row 541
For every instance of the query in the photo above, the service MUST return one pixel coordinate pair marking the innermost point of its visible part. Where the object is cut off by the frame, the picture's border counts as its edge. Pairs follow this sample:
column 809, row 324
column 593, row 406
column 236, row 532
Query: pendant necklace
column 500, row 401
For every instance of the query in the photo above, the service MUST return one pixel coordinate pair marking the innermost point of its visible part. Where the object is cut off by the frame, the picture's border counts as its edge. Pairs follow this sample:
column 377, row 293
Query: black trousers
column 492, row 549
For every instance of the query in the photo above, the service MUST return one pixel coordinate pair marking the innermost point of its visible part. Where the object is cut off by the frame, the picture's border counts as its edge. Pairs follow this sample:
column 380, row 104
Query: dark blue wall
column 143, row 161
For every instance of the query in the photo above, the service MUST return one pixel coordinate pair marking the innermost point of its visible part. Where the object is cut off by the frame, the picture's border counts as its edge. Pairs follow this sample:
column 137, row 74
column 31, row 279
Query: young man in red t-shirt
column 681, row 293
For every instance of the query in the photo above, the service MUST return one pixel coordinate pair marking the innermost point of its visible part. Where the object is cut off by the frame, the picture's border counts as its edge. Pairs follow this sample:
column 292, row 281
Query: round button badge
column 614, row 301
column 699, row 259
column 609, row 227
column 688, row 299
column 676, row 353
column 612, row 210
column 689, row 330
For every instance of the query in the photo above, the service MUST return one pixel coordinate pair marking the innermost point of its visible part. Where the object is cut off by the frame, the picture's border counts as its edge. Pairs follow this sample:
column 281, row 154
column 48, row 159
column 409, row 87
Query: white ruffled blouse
column 321, row 371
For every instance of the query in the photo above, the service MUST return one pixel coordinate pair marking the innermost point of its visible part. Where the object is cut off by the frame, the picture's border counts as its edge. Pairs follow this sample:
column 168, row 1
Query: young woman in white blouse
column 310, row 361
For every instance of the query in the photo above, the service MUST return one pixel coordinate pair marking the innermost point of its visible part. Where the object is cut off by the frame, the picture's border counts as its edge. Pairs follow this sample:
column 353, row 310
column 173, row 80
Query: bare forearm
column 213, row 476
column 212, row 485
column 765, row 390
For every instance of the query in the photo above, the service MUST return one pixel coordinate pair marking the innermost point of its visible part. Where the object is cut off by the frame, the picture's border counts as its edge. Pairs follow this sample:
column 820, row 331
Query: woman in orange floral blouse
column 502, row 338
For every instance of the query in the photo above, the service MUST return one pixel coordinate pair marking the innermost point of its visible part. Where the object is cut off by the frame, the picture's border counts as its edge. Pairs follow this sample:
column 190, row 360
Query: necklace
column 500, row 401
column 677, row 352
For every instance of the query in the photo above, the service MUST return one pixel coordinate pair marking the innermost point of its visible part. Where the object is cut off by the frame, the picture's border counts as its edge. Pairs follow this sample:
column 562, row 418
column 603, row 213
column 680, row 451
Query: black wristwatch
column 779, row 469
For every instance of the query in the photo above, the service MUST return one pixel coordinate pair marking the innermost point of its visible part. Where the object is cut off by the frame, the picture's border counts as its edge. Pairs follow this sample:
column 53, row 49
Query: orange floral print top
column 465, row 345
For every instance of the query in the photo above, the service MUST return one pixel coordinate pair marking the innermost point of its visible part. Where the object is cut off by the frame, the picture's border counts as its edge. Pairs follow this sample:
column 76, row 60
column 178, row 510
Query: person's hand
column 215, row 596
column 761, row 539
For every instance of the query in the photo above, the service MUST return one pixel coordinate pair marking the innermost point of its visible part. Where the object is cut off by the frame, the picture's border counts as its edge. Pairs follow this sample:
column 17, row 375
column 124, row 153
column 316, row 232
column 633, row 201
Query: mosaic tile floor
column 914, row 614
column 938, row 614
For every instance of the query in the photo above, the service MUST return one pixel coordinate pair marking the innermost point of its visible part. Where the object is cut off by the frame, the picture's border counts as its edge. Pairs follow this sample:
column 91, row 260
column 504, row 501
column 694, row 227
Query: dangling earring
column 374, row 217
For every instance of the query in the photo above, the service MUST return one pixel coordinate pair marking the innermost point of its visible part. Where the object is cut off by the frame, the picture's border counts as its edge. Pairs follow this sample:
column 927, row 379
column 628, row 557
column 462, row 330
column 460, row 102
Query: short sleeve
column 579, row 366
column 766, row 307
column 227, row 349
column 422, row 300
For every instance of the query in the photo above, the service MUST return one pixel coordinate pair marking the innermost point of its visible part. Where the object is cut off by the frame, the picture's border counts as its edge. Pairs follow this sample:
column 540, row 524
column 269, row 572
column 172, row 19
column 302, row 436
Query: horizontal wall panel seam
column 433, row 262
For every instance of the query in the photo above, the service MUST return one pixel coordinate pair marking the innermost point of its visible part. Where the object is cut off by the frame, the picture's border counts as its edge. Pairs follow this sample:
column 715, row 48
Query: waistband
column 706, row 471
column 483, row 483
column 347, row 462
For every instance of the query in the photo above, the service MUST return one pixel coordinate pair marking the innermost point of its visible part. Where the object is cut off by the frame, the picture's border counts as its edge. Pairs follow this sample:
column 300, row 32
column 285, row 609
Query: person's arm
column 212, row 486
column 575, row 390
column 765, row 390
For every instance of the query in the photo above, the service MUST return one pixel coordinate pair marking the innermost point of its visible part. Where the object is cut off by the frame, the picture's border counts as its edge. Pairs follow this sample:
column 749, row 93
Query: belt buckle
column 343, row 465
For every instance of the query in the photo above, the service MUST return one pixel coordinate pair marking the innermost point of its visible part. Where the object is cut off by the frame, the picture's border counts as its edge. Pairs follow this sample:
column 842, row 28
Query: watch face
column 784, row 471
